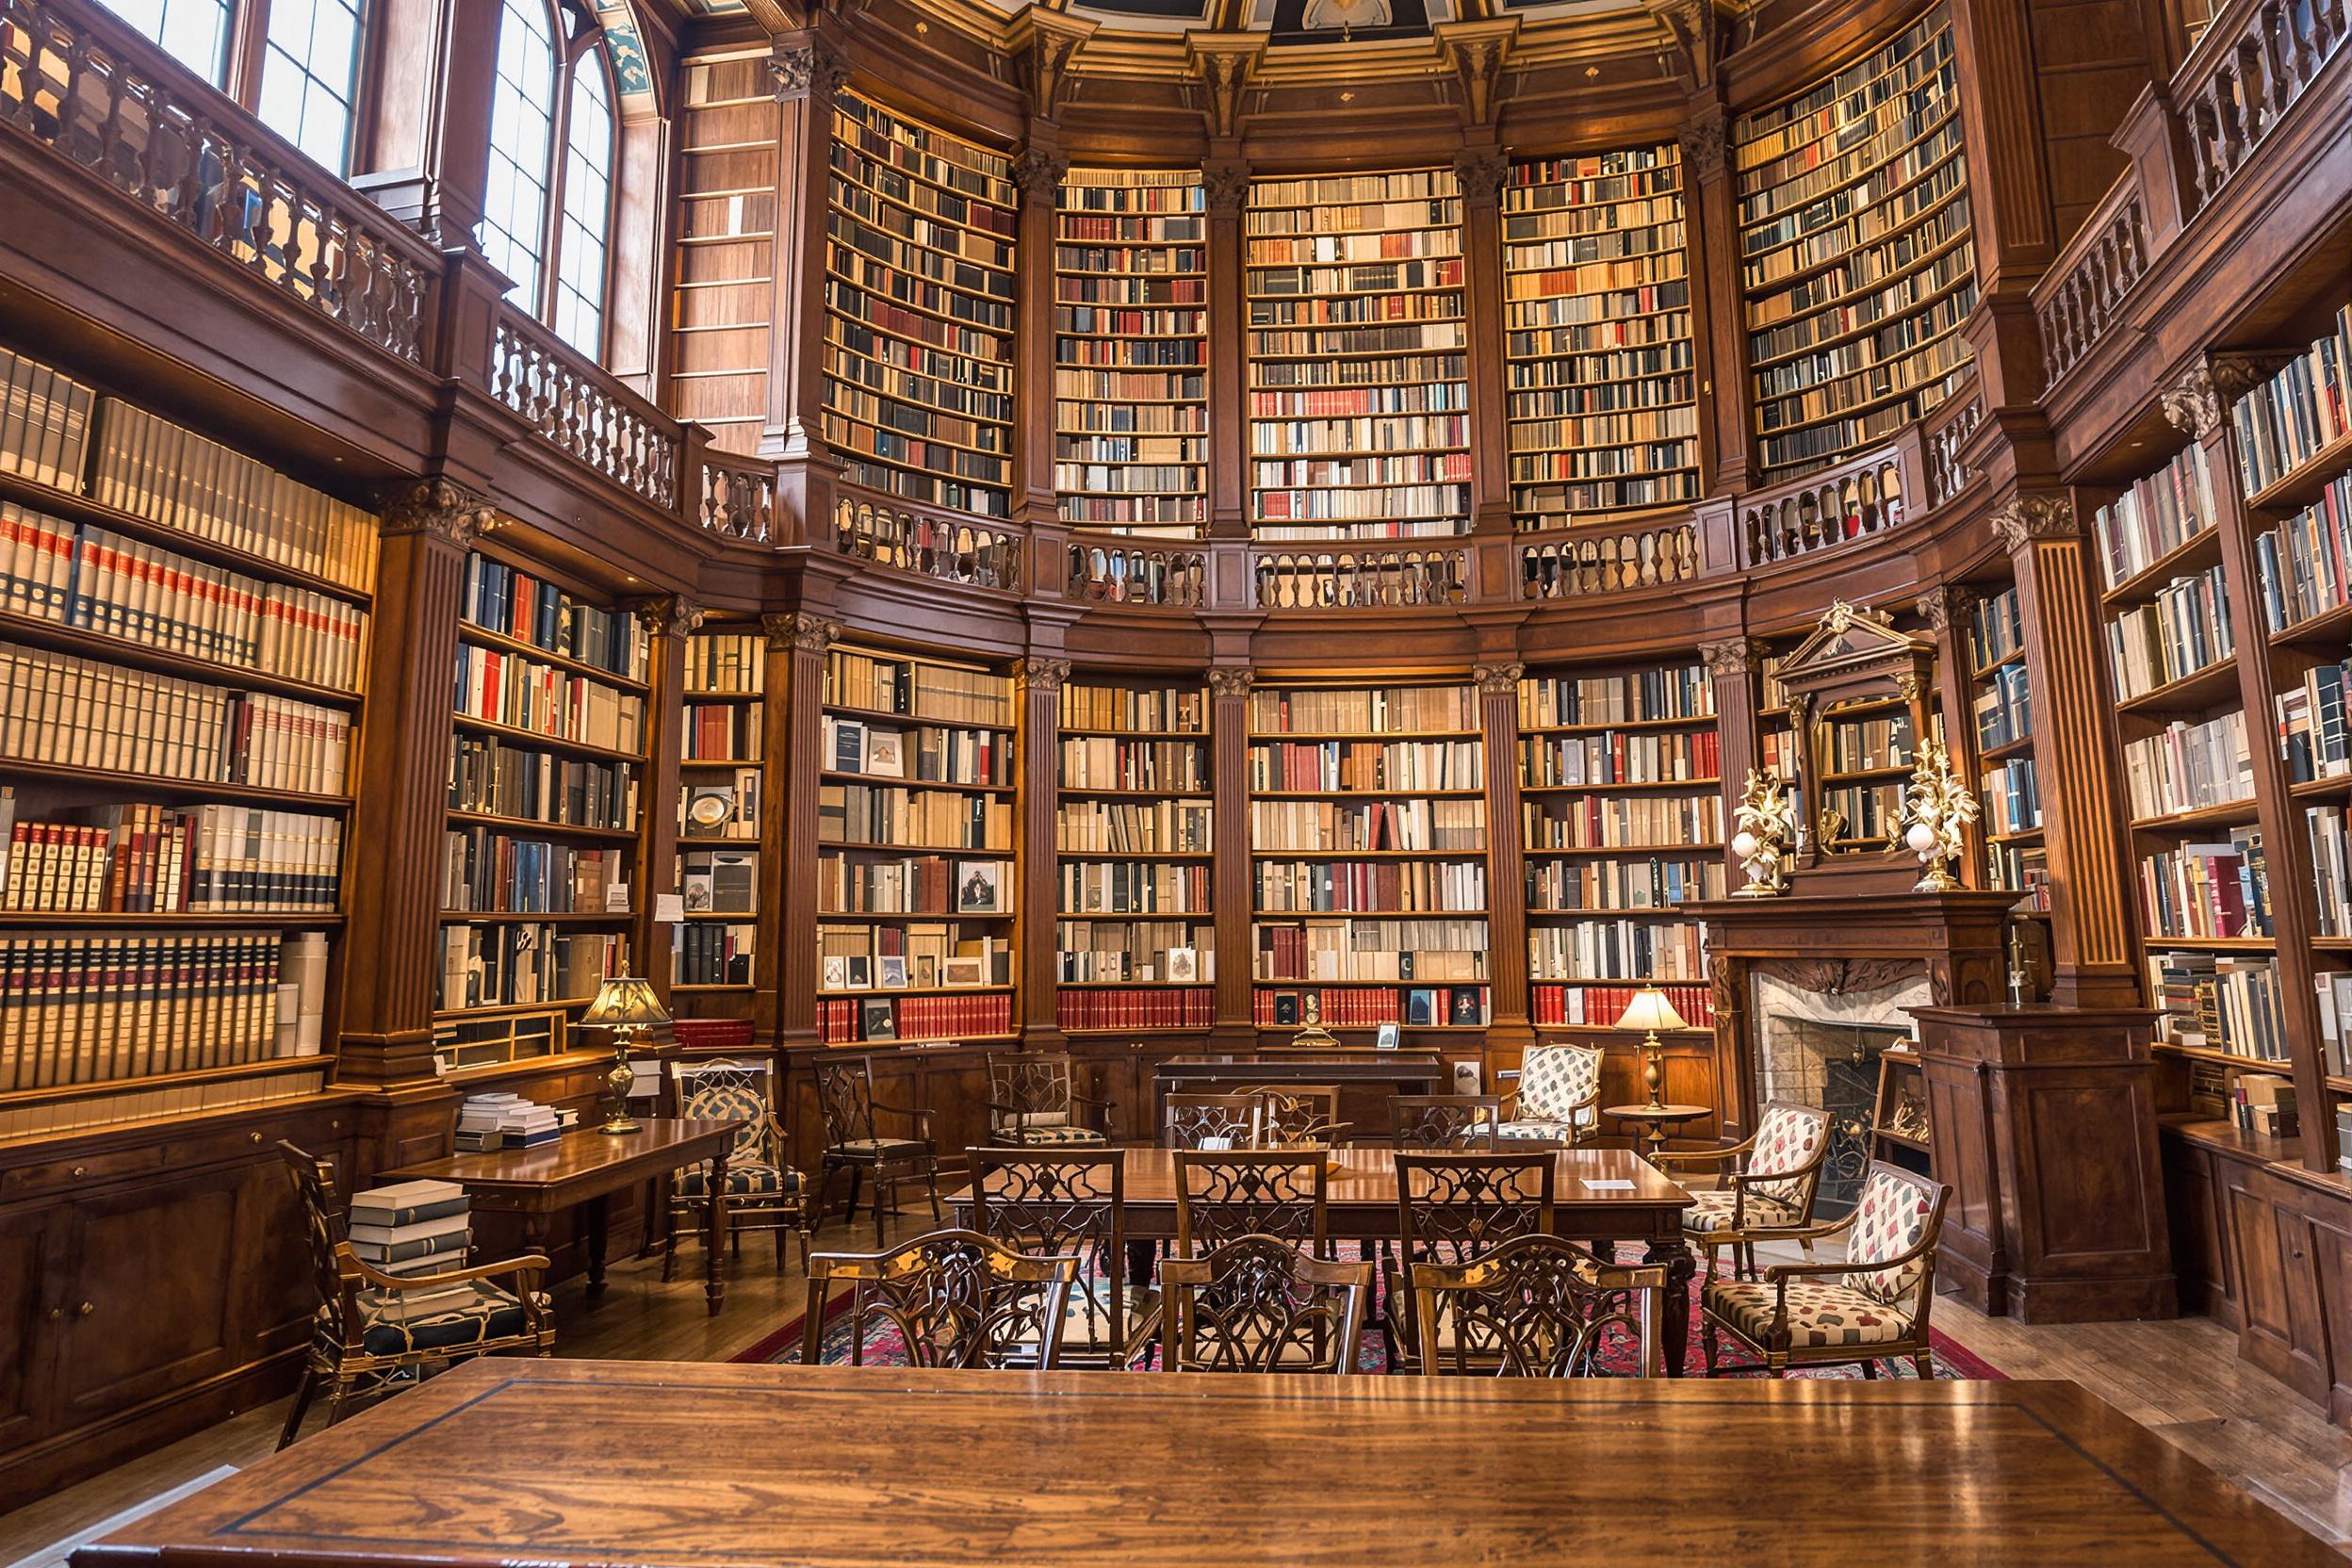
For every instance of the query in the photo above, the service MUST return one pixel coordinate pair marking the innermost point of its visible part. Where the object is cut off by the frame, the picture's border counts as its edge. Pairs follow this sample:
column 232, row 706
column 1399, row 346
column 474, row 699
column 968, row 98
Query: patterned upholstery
column 1051, row 1134
column 888, row 1148
column 1710, row 1210
column 1787, row 1139
column 730, row 1099
column 1562, row 1132
column 491, row 1314
column 1557, row 1084
column 742, row 1181
column 1820, row 1312
column 1890, row 1221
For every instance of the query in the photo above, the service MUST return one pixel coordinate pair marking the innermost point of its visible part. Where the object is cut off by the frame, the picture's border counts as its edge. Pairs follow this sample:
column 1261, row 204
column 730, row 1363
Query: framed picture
column 1386, row 1039
column 1421, row 1007
column 1184, row 965
column 860, row 972
column 979, row 889
column 927, row 970
column 964, row 971
column 885, row 753
column 849, row 746
column 879, row 1019
column 1469, row 1007
column 893, row 969
column 835, row 976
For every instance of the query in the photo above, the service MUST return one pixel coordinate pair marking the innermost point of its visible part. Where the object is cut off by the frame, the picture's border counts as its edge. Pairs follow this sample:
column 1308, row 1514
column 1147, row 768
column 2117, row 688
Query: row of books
column 1358, row 887
column 1132, row 888
column 929, row 956
column 485, row 871
column 714, row 953
column 1415, row 1008
column 490, row 777
column 1134, row 827
column 1590, row 822
column 1857, row 745
column 1152, row 709
column 508, row 965
column 1909, row 271
column 917, row 689
column 2188, row 767
column 1359, row 951
column 721, row 731
column 1102, row 762
column 2305, row 564
column 728, row 662
column 205, row 859
column 2218, row 890
column 91, row 1008
column 89, row 577
column 2013, row 797
column 1148, row 952
column 45, row 418
column 1161, row 1007
column 936, row 819
column 2331, row 868
column 172, row 1100
column 1378, row 710
column 2158, row 513
column 2219, row 1002
column 2314, row 731
column 79, row 714
column 1861, row 815
column 1826, row 111
column 1600, row 1006
column 1640, row 697
column 1654, row 882
column 512, row 604
column 1620, row 757
column 843, row 1020
column 1366, row 766
column 1618, row 950
column 1355, row 828
column 2299, row 411
column 2022, row 869
column 911, row 884
column 928, row 753
column 2005, row 707
column 2184, row 629
column 522, row 693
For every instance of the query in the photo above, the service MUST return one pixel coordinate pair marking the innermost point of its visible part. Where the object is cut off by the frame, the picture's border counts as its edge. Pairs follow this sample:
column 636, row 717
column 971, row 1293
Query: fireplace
column 1818, row 1044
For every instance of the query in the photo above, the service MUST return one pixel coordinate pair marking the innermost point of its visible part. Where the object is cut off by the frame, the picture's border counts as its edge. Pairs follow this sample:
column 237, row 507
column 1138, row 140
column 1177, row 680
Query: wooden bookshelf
column 917, row 889
column 721, row 807
column 919, row 295
column 1358, row 376
column 1855, row 259
column 2003, row 712
column 1131, row 351
column 1603, row 399
column 1136, row 932
column 1618, row 765
column 182, row 666
column 549, row 745
column 722, row 264
column 1367, row 858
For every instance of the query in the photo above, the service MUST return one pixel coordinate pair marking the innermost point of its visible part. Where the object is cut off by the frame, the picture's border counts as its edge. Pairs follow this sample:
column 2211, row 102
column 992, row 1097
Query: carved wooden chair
column 1222, row 1196
column 1535, row 1306
column 762, row 1192
column 1071, row 1200
column 1298, row 1114
column 853, row 1142
column 1444, row 1120
column 375, row 1332
column 1258, row 1304
column 1455, row 1208
column 1033, row 1103
column 1870, row 1308
column 1215, row 1120
column 1764, row 1187
column 1558, row 1095
column 957, row 1299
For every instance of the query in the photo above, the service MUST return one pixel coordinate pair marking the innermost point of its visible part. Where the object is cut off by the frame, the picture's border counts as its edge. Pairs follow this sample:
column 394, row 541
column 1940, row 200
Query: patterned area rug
column 884, row 1347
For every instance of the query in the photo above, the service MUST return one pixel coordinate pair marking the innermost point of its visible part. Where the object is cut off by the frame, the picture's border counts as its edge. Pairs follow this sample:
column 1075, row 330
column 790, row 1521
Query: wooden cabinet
column 2278, row 1312
column 2197, row 1204
column 30, row 1252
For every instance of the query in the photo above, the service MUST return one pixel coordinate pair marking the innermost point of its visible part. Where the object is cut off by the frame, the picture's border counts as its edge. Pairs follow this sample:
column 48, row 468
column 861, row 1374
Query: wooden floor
column 2181, row 1379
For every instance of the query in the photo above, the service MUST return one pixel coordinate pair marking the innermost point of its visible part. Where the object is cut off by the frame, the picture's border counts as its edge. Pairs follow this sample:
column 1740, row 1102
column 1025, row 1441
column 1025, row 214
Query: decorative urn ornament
column 1763, row 823
column 1936, row 810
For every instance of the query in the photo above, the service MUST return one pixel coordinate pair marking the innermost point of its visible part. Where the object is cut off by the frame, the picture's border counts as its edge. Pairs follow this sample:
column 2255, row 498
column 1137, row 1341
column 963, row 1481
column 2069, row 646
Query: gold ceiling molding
column 1043, row 45
column 1480, row 52
column 1224, row 62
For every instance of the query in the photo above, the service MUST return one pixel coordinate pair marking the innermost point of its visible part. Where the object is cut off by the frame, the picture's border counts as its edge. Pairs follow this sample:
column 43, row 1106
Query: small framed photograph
column 885, row 753
column 849, row 746
column 879, row 1018
column 927, row 970
column 1184, row 965
column 893, row 972
column 980, row 890
column 1387, row 1037
column 861, row 973
column 964, row 971
column 835, row 976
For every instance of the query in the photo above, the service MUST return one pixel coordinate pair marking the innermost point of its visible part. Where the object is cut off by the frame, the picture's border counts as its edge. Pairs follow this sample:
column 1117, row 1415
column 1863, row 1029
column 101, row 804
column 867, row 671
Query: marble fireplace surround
column 1843, row 994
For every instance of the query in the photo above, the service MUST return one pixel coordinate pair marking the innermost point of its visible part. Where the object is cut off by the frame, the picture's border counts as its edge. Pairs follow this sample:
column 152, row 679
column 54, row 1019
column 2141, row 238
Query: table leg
column 1675, row 1321
column 714, row 1245
column 596, row 1237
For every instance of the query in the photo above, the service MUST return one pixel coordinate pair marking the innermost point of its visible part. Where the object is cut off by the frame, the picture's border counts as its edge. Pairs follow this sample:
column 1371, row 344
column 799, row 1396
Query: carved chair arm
column 1926, row 1248
column 921, row 1117
column 528, row 1262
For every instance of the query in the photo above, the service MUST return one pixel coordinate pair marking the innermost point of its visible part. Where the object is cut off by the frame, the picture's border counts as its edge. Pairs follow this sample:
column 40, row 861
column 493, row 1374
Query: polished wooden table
column 1367, row 1080
column 586, row 1168
column 709, row 1466
column 1361, row 1201
column 1656, row 1118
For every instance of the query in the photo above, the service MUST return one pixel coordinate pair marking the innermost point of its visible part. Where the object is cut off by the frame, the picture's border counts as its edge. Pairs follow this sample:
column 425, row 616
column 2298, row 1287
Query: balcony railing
column 1854, row 499
column 1948, row 431
column 1293, row 577
column 584, row 412
column 969, row 551
column 2249, row 68
column 1136, row 573
column 1608, row 561
column 737, row 499
column 92, row 89
column 2103, row 263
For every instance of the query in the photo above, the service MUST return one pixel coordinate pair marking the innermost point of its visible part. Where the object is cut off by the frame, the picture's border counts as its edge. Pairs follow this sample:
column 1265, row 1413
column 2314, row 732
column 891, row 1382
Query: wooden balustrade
column 1608, row 559
column 2082, row 293
column 1354, row 577
column 2251, row 65
column 1947, row 437
column 737, row 500
column 1131, row 573
column 1834, row 506
column 82, row 83
column 950, row 548
column 583, row 412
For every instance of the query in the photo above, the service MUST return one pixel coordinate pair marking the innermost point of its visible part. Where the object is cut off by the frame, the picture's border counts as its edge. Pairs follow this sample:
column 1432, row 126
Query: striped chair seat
column 484, row 1315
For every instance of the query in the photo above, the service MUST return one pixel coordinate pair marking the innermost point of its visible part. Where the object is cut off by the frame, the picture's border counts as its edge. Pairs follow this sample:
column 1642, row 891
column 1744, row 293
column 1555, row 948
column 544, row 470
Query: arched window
column 582, row 242
column 309, row 70
column 522, row 139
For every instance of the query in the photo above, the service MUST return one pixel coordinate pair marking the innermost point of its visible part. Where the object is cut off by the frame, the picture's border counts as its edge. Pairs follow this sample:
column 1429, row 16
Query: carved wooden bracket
column 1224, row 62
column 438, row 507
column 1480, row 52
column 1043, row 44
column 672, row 616
column 800, row 631
column 2194, row 406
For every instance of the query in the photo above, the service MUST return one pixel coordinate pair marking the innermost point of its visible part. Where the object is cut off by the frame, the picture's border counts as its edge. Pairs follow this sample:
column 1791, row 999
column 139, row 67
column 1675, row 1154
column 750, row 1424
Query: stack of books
column 413, row 1229
column 490, row 1121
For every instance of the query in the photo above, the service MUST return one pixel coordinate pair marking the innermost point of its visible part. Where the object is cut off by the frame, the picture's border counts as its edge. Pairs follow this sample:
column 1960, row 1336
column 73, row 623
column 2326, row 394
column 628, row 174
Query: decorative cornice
column 1498, row 679
column 1227, row 682
column 437, row 507
column 2035, row 517
column 1703, row 147
column 672, row 616
column 2194, row 406
column 1039, row 174
column 1733, row 657
column 1042, row 675
column 813, row 69
column 1044, row 45
column 1481, row 174
column 1479, row 52
column 1226, row 186
column 800, row 631
column 1942, row 607
column 1224, row 62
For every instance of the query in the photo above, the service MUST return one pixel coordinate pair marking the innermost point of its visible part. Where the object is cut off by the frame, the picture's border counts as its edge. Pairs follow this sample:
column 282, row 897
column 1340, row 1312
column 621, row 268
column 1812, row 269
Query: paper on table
column 1607, row 1183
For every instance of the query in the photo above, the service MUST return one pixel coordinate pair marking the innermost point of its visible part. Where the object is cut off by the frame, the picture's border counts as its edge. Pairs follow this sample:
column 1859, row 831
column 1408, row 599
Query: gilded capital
column 800, row 631
column 1733, row 657
column 1498, row 679
column 440, row 508
column 1230, row 682
column 1042, row 675
column 2032, row 517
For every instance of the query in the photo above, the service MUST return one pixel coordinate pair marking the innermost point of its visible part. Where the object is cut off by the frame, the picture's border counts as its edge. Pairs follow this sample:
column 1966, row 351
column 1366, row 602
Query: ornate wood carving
column 1498, row 679
column 2195, row 405
column 438, row 508
column 1703, row 147
column 674, row 616
column 1039, row 174
column 1733, row 657
column 2035, row 516
column 1226, row 186
column 1230, row 683
column 1042, row 675
column 1044, row 46
column 811, row 69
column 1946, row 607
column 1479, row 53
column 1224, row 62
column 802, row 630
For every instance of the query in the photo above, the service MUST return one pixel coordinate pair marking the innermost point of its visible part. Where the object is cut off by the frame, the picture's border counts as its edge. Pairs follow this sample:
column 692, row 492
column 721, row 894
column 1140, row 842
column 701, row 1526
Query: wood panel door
column 149, row 1307
column 32, row 1250
column 2278, row 1312
column 2198, row 1208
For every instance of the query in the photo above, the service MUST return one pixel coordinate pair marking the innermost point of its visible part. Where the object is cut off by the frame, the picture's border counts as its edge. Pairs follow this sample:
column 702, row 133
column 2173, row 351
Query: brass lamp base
column 616, row 1086
column 1654, row 1070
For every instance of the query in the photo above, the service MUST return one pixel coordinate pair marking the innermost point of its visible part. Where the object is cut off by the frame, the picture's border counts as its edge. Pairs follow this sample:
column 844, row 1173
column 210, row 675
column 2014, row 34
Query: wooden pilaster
column 1038, row 694
column 1228, row 190
column 787, row 1007
column 809, row 68
column 1733, row 664
column 1947, row 611
column 1509, row 1024
column 2094, row 941
column 1481, row 168
column 668, row 623
column 1711, row 216
column 1039, row 172
column 1230, row 883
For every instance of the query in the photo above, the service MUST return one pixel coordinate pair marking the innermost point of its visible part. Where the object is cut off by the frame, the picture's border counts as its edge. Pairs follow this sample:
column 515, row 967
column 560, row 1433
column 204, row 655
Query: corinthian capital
column 437, row 507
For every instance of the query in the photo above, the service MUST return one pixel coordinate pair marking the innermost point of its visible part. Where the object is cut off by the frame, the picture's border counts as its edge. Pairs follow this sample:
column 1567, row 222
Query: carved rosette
column 1042, row 675
column 1942, row 607
column 2194, row 406
column 670, row 617
column 1039, row 174
column 1226, row 186
column 801, row 631
column 1230, row 683
column 814, row 70
column 2031, row 519
column 437, row 508
column 1498, row 680
column 1732, row 658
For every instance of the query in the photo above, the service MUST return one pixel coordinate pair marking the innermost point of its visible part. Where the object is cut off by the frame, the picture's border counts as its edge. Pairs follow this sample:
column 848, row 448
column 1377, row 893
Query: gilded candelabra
column 1936, row 810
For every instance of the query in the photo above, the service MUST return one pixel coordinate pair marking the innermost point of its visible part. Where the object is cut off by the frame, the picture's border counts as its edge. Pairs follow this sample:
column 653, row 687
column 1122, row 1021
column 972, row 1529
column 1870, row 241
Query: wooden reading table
column 587, row 1166
column 1366, row 1080
column 616, row 1464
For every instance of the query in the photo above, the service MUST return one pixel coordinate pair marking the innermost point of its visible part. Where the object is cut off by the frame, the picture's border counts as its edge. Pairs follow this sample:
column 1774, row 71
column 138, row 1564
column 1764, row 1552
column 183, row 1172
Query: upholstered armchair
column 1558, row 1095
column 762, row 1192
column 1033, row 1103
column 1872, row 1307
column 1764, row 1186
column 374, row 1332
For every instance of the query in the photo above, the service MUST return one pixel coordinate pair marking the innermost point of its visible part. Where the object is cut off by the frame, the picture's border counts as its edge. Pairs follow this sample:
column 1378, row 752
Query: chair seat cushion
column 1821, row 1313
column 881, row 1148
column 1035, row 1118
column 484, row 1314
column 742, row 1181
column 1710, row 1211
column 1049, row 1135
column 1564, row 1132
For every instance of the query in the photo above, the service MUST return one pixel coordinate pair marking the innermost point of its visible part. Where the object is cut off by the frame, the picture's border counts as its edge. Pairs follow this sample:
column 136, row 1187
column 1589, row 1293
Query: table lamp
column 627, row 1006
column 1649, row 1011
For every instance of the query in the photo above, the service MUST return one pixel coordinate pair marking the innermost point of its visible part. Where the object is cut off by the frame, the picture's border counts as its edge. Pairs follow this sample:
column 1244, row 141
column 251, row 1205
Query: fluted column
column 1481, row 170
column 668, row 623
column 785, row 1009
column 1732, row 665
column 1717, row 316
column 1508, row 1022
column 809, row 68
column 1226, row 186
column 1233, row 887
column 1037, row 685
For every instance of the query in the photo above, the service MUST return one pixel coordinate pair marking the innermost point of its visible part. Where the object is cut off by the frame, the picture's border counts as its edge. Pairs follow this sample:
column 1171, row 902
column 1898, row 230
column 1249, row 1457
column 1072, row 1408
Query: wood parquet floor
column 2182, row 1380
